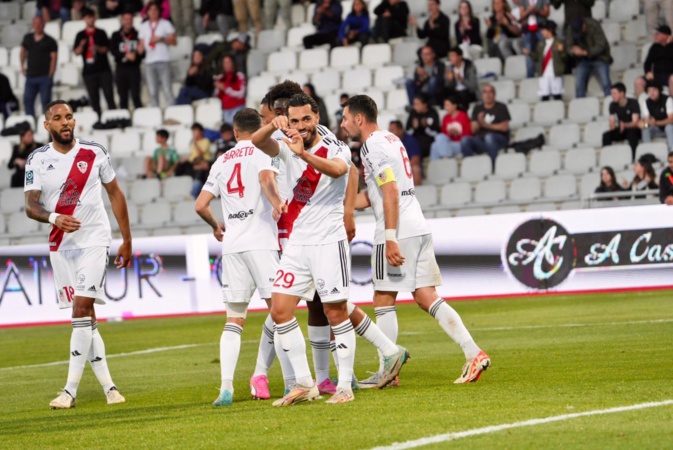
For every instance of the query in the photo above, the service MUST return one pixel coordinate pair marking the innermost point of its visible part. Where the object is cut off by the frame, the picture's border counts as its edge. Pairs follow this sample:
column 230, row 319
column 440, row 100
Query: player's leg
column 319, row 333
column 344, row 336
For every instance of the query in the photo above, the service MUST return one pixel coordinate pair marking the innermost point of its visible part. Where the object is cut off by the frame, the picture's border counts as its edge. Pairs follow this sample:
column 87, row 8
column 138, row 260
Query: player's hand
column 393, row 254
column 669, row 200
column 280, row 122
column 279, row 210
column 349, row 223
column 295, row 142
column 67, row 223
column 123, row 258
column 219, row 231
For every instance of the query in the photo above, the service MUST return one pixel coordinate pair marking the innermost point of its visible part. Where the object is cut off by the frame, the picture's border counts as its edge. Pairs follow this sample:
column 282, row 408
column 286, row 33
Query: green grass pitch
column 552, row 355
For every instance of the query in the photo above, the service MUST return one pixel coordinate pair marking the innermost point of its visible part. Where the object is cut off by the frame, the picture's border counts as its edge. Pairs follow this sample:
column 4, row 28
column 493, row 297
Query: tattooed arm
column 35, row 210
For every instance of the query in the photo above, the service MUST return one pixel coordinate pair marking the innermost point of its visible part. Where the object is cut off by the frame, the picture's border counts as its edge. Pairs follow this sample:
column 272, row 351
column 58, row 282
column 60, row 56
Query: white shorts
column 80, row 272
column 306, row 268
column 419, row 270
column 244, row 272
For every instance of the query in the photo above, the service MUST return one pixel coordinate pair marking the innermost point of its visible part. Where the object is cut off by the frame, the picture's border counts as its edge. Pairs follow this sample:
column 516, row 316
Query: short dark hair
column 457, row 50
column 670, row 154
column 397, row 123
column 86, row 11
column 163, row 133
column 226, row 127
column 286, row 89
column 453, row 99
column 303, row 100
column 54, row 103
column 619, row 86
column 155, row 3
column 422, row 97
column 362, row 104
column 248, row 120
column 197, row 126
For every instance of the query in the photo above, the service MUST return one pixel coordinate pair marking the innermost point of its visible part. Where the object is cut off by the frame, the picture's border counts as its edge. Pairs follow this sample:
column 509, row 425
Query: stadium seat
column 133, row 216
column 147, row 117
column 209, row 39
column 299, row 76
column 469, row 212
column 326, row 81
column 510, row 165
column 344, row 57
column 618, row 156
column 69, row 75
column 564, row 136
column 623, row 10
column 270, row 40
column 540, row 207
column 599, row 10
column 475, row 168
column 18, row 118
column 131, row 167
column 209, row 115
column 441, row 171
column 295, row 36
column 548, row 113
column 63, row 56
column 405, row 53
column 579, row 160
column 109, row 25
column 12, row 34
column 15, row 57
column 182, row 140
column 12, row 75
column 593, row 133
column 490, row 191
column 177, row 188
column 515, row 67
column 149, row 143
column 298, row 15
column 19, row 223
column 376, row 55
column 397, row 99
column 3, row 226
column 588, row 184
column 101, row 137
column 115, row 114
column 505, row 209
column 281, row 62
column 583, row 110
column 524, row 189
column 4, row 57
column 357, row 79
column 313, row 59
column 629, row 77
column 635, row 31
column 529, row 132
column 124, row 144
column 377, row 95
column 519, row 114
column 488, row 66
column 255, row 63
column 644, row 50
column 183, row 214
column 384, row 120
column 386, row 77
column 505, row 90
column 624, row 56
column 53, row 29
column 560, row 186
column 658, row 149
column 456, row 194
column 70, row 29
column 12, row 200
column 5, row 153
column 155, row 214
column 86, row 120
column 544, row 163
column 258, row 87
column 145, row 191
column 613, row 32
column 180, row 113
column 528, row 88
column 426, row 195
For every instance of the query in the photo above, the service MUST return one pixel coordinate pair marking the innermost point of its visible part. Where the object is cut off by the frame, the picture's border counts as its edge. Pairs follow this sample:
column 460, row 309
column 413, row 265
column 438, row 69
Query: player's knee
column 237, row 312
column 82, row 307
column 336, row 312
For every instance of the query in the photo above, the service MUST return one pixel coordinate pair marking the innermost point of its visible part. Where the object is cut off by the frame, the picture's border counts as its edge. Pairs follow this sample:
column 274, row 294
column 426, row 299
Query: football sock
column 266, row 352
column 368, row 330
column 332, row 348
column 386, row 319
column 344, row 337
column 319, row 339
column 230, row 347
column 98, row 360
column 285, row 365
column 80, row 343
column 292, row 341
column 452, row 325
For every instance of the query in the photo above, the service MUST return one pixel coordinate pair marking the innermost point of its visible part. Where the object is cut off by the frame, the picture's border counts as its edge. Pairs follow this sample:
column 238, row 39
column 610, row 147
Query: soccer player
column 316, row 256
column 63, row 187
column 404, row 258
column 244, row 179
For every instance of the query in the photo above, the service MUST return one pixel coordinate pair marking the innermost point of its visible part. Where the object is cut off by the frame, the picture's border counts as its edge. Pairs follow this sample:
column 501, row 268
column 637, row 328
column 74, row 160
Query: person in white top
column 154, row 37
column 403, row 258
column 244, row 179
column 317, row 256
column 63, row 187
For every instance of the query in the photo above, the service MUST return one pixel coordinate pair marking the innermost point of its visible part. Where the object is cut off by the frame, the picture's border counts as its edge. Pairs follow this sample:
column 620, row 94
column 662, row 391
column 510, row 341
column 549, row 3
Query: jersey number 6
column 406, row 163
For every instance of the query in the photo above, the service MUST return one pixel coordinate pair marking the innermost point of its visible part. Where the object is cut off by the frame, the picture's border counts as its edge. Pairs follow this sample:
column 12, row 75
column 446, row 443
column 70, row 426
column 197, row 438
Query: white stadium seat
column 70, row 30
column 524, row 189
column 623, row 10
column 344, row 57
column 124, row 144
column 209, row 115
column 181, row 140
column 583, row 110
column 258, row 87
column 624, row 56
column 147, row 117
column 298, row 15
column 528, row 132
column 560, row 187
column 155, row 214
column 12, row 200
column 10, row 11
column 515, row 67
column 356, row 80
column 426, row 195
column 613, row 32
column 270, row 40
column 4, row 57
column 326, row 81
column 540, row 207
column 53, row 29
column 456, row 194
column 180, row 113
column 599, row 10
column 376, row 55
column 85, row 120
column 505, row 90
column 548, row 113
column 564, row 136
column 486, row 66
column 397, row 99
column 145, row 191
column 12, row 34
column 617, row 156
column 177, row 188
column 506, row 209
column 385, row 77
column 490, row 191
column 658, row 149
column 579, row 160
column 281, row 62
column 19, row 118
column 405, row 53
column 528, row 90
column 510, row 165
column 475, row 168
column 441, row 171
column 545, row 163
column 115, row 114
column 19, row 223
column 313, row 59
column 593, row 133
column 184, row 214
column 295, row 36
column 519, row 114
column 588, row 183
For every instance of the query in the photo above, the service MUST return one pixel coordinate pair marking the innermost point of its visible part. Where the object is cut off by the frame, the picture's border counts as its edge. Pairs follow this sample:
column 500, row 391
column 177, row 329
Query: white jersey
column 316, row 209
column 71, row 184
column 248, row 215
column 383, row 150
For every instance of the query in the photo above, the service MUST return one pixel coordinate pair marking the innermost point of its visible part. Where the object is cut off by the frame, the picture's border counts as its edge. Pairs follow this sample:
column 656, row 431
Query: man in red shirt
column 455, row 126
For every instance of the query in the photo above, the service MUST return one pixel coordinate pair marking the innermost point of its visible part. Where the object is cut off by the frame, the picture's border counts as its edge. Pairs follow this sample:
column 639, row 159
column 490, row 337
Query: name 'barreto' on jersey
column 383, row 150
column 316, row 202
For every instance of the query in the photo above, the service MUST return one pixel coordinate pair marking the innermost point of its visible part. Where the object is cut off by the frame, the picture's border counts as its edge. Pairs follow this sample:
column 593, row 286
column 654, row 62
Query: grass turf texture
column 541, row 367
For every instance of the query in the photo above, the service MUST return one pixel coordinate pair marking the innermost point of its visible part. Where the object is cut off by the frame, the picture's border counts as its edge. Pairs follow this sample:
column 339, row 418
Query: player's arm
column 36, row 211
column 391, row 213
column 202, row 208
column 333, row 168
column 121, row 212
column 362, row 201
column 262, row 138
column 349, row 201
column 267, row 180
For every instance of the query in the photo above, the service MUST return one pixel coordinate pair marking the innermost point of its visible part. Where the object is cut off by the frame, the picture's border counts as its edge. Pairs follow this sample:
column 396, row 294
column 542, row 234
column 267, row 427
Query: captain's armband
column 384, row 177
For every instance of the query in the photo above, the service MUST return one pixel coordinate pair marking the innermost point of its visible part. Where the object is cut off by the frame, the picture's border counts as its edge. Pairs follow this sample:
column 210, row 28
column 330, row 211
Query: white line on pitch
column 526, row 423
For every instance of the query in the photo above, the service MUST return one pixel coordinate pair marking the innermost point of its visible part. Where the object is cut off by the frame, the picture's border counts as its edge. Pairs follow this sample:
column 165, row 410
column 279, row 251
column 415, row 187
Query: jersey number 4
column 235, row 185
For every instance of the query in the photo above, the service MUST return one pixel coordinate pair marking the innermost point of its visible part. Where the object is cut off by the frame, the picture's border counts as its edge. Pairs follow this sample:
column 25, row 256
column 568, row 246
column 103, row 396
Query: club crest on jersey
column 82, row 166
column 383, row 176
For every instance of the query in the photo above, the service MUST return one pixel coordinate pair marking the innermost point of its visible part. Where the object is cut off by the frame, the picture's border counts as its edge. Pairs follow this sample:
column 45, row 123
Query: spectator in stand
column 573, row 9
column 113, row 8
column 461, row 78
column 645, row 177
column 271, row 10
column 356, row 26
column 608, row 184
column 20, row 154
column 226, row 142
column 392, row 17
column 423, row 123
column 467, row 28
column 666, row 183
column 502, row 31
column 164, row 9
column 219, row 11
column 124, row 48
column 155, row 35
column 309, row 90
column 199, row 158
column 339, row 113
column 490, row 126
column 413, row 150
column 624, row 118
column 231, row 87
column 655, row 8
column 8, row 101
column 428, row 77
column 93, row 44
column 198, row 83
column 435, row 29
column 76, row 10
column 238, row 47
column 327, row 20
column 165, row 159
column 455, row 126
column 657, row 113
column 50, row 10
column 588, row 47
column 38, row 64
column 550, row 57
column 182, row 16
column 534, row 13
column 243, row 8
column 659, row 61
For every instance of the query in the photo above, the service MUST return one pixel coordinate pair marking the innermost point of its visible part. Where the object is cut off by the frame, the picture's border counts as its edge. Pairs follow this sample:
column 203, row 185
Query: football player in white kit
column 244, row 179
column 403, row 259
column 63, row 187
column 317, row 255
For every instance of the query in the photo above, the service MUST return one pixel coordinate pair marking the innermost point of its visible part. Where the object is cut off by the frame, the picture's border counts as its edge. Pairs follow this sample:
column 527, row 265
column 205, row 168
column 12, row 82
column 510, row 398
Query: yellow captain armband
column 384, row 177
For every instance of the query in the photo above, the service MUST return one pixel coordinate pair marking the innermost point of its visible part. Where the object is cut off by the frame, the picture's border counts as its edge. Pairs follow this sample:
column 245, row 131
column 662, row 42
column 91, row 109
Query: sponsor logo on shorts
column 81, row 278
column 225, row 285
column 335, row 291
column 323, row 292
column 29, row 177
column 242, row 214
column 320, row 283
column 408, row 192
column 80, row 287
column 395, row 275
column 92, row 289
column 272, row 279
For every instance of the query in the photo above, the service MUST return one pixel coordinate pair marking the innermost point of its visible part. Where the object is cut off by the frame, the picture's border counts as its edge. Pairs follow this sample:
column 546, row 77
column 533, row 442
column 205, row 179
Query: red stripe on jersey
column 303, row 191
column 71, row 192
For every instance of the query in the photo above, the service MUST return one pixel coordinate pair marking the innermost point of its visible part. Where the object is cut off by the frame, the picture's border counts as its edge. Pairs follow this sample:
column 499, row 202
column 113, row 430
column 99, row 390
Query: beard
column 311, row 138
column 56, row 137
